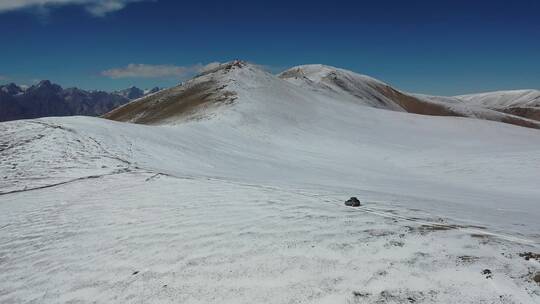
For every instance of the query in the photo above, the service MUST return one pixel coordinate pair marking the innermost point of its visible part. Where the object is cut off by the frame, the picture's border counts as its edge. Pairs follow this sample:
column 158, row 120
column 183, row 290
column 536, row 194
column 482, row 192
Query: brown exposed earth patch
column 429, row 228
column 185, row 102
column 526, row 112
column 415, row 105
column 516, row 120
column 467, row 259
column 418, row 106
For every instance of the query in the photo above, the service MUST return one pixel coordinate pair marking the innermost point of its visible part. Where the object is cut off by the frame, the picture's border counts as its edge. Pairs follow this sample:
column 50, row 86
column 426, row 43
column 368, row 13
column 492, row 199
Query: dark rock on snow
column 353, row 202
column 536, row 278
column 530, row 255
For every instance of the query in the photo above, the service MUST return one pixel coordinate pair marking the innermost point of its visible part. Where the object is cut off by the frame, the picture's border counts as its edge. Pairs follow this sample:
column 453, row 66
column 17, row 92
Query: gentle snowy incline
column 345, row 85
column 524, row 103
column 39, row 153
column 142, row 238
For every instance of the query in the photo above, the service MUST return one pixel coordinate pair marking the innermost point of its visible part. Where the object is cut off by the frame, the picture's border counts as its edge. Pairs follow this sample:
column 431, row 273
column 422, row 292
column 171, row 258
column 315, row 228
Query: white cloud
column 134, row 70
column 211, row 65
column 95, row 7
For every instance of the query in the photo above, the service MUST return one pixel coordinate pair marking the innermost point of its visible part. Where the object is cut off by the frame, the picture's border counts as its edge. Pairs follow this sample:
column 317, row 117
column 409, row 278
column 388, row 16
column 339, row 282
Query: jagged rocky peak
column 131, row 93
column 45, row 86
column 234, row 64
column 225, row 67
column 152, row 90
column 11, row 89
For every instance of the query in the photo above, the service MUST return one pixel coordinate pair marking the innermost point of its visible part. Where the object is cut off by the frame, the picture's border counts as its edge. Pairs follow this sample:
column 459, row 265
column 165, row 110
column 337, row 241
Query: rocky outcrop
column 353, row 202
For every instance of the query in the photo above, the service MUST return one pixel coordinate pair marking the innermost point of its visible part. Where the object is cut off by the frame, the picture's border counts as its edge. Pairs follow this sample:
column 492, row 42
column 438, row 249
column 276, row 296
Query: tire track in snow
column 121, row 171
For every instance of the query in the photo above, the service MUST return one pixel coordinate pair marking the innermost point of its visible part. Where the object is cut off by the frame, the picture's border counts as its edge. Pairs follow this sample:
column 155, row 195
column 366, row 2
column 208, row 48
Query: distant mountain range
column 49, row 99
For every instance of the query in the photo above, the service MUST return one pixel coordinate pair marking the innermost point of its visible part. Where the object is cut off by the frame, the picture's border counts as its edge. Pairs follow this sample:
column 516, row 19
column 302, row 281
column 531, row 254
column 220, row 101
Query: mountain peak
column 225, row 67
column 320, row 72
column 132, row 92
column 11, row 89
column 237, row 63
column 46, row 85
column 152, row 90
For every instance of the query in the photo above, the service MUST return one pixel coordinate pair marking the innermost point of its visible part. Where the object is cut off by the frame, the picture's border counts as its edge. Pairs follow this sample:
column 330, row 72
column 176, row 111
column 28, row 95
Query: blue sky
column 434, row 47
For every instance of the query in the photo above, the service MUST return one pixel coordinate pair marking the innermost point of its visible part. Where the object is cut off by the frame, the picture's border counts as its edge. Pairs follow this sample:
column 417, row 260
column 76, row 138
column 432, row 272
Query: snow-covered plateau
column 230, row 189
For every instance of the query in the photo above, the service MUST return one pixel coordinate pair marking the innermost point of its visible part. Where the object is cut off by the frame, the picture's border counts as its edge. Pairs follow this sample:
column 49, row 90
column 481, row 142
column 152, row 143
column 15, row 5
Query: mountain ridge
column 200, row 96
column 49, row 99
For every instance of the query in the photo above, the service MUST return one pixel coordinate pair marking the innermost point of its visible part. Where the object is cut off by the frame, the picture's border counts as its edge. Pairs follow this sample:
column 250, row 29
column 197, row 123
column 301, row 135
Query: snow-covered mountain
column 135, row 93
column 151, row 91
column 525, row 103
column 48, row 99
column 500, row 99
column 11, row 89
column 131, row 93
column 369, row 91
column 196, row 97
column 231, row 187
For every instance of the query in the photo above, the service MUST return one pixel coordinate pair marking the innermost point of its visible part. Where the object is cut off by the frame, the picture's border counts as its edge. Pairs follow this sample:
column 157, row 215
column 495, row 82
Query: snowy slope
column 341, row 84
column 338, row 83
column 524, row 103
column 499, row 99
column 138, row 237
column 239, row 199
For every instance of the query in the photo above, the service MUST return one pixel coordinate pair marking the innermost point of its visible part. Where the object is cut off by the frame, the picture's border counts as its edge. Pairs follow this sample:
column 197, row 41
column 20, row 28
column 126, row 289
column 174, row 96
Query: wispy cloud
column 134, row 70
column 2, row 77
column 97, row 8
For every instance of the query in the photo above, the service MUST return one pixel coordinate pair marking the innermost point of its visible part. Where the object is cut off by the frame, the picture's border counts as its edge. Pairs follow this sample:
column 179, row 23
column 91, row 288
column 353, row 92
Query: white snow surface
column 247, row 206
column 502, row 99
column 340, row 84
